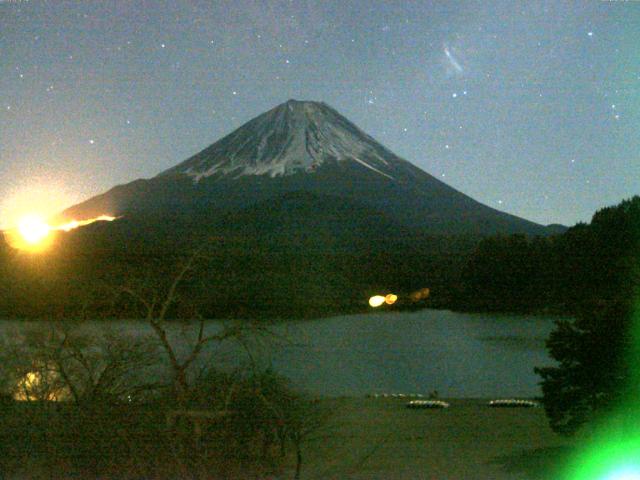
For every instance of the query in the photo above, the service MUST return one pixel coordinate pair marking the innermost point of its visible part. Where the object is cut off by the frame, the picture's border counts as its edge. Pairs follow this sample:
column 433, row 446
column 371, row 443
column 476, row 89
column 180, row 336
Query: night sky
column 532, row 108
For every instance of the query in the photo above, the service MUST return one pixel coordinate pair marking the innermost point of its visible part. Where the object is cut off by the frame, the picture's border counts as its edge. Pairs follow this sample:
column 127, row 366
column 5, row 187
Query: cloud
column 454, row 65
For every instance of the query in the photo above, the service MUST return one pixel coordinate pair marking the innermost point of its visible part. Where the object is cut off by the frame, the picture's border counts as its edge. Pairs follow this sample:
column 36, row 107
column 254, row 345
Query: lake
column 459, row 355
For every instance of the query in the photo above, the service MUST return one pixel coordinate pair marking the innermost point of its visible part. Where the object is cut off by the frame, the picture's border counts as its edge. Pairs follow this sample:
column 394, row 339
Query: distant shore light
column 376, row 301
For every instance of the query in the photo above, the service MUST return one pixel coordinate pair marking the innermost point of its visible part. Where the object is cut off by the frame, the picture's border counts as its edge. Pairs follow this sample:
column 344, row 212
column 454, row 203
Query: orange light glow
column 34, row 234
column 39, row 386
column 421, row 294
column 33, row 229
column 67, row 227
column 390, row 299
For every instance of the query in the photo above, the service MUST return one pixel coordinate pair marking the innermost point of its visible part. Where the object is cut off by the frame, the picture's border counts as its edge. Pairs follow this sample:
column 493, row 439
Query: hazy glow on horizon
column 32, row 233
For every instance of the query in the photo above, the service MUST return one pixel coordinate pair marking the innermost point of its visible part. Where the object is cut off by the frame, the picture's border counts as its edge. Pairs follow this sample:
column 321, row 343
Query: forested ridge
column 589, row 263
column 277, row 271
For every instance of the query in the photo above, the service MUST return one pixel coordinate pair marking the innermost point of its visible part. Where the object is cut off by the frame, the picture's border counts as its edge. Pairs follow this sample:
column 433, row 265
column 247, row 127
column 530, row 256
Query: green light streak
column 613, row 453
column 612, row 458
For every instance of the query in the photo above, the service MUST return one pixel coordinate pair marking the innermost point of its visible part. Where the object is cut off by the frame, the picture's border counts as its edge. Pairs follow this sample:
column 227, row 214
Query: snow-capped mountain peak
column 309, row 152
column 293, row 137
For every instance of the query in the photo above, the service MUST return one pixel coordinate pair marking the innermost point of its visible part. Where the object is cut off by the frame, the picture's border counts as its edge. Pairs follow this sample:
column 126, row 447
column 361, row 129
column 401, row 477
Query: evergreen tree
column 597, row 351
column 593, row 374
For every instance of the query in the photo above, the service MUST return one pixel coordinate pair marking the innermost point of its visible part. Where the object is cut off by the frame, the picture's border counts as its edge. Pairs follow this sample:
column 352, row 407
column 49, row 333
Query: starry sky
column 530, row 107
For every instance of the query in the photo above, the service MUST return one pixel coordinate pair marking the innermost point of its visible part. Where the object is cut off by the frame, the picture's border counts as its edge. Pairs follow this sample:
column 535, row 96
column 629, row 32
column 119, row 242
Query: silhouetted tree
column 597, row 352
column 156, row 312
column 593, row 372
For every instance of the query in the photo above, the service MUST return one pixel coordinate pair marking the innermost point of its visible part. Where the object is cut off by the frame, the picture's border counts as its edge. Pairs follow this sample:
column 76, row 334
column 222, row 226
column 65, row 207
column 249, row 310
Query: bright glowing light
column 39, row 192
column 624, row 474
column 39, row 386
column 34, row 234
column 612, row 454
column 390, row 299
column 376, row 301
column 67, row 227
column 33, row 229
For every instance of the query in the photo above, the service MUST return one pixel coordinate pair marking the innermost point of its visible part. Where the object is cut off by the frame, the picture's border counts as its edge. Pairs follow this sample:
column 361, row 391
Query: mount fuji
column 297, row 213
column 303, row 151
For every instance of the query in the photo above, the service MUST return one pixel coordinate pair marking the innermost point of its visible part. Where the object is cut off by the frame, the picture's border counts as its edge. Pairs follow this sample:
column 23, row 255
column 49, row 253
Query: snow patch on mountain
column 372, row 168
column 293, row 137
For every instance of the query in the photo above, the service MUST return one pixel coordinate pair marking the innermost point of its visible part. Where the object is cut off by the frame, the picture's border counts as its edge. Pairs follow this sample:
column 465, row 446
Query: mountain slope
column 304, row 146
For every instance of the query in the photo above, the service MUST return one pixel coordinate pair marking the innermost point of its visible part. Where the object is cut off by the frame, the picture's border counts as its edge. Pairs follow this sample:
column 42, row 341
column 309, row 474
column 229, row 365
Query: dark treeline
column 589, row 263
column 276, row 269
column 273, row 270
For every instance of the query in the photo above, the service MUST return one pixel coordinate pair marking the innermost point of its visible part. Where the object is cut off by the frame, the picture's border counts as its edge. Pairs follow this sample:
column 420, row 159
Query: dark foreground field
column 380, row 439
column 364, row 438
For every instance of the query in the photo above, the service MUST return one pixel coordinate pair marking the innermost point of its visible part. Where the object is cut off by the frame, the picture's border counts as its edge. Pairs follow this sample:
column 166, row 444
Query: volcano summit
column 309, row 149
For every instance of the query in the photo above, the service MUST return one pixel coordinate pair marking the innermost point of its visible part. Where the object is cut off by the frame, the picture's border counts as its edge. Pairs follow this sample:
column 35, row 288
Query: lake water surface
column 459, row 355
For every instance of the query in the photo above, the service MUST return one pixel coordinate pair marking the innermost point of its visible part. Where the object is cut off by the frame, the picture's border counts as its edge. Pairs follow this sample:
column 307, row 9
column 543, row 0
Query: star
column 162, row 45
column 234, row 92
column 92, row 141
column 454, row 95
